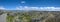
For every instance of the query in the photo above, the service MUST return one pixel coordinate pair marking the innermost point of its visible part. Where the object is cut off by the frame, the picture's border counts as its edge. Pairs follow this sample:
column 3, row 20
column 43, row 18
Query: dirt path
column 3, row 18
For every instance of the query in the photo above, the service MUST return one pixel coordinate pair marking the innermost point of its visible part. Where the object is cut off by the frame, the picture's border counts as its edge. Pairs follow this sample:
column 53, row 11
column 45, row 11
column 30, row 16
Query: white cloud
column 37, row 8
column 2, row 8
column 23, row 2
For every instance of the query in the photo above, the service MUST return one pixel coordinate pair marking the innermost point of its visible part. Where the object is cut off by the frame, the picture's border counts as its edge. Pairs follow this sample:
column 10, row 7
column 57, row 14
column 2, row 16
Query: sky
column 29, row 4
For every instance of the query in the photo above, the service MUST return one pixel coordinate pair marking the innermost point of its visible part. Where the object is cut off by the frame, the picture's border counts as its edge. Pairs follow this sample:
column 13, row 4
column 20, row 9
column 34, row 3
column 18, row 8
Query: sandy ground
column 3, row 18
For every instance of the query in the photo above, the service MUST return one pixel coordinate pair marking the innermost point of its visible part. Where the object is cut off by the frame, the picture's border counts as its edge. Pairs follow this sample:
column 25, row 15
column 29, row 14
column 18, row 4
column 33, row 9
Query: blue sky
column 13, row 4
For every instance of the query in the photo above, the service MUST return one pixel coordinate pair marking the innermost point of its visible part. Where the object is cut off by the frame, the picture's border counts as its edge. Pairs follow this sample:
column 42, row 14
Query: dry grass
column 52, row 19
column 38, row 17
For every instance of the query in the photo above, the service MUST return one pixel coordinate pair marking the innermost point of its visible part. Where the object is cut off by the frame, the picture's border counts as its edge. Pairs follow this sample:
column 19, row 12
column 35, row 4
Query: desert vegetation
column 33, row 16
